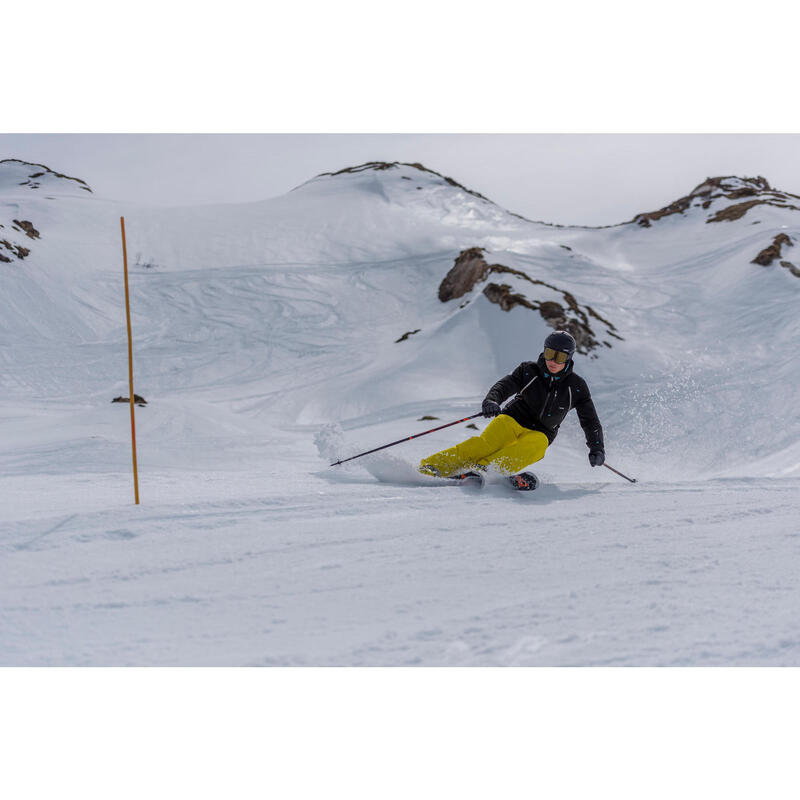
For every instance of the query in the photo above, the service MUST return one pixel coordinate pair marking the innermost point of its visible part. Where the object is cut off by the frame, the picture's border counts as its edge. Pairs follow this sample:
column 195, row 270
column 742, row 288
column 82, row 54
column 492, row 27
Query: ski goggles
column 555, row 355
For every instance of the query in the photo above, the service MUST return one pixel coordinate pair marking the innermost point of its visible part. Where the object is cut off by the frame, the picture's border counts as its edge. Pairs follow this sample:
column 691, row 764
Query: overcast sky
column 581, row 179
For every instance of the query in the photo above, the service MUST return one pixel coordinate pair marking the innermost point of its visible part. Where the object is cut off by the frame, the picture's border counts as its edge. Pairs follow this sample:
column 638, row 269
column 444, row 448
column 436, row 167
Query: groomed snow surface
column 265, row 345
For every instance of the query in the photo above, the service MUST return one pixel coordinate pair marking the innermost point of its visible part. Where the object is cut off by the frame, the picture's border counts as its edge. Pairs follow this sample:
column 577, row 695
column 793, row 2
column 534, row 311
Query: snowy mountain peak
column 726, row 198
column 400, row 170
column 731, row 183
column 17, row 176
column 384, row 209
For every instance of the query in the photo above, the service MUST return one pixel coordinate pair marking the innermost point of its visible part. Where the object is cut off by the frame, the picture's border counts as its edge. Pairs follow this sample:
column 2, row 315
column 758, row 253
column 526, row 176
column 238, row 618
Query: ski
column 468, row 477
column 522, row 482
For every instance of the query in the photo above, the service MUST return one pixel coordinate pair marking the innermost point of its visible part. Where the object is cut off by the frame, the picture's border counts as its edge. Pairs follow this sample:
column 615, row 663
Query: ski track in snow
column 572, row 574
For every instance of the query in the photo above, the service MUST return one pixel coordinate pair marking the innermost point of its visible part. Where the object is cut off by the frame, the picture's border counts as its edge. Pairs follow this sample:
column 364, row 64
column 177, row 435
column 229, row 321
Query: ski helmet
column 562, row 341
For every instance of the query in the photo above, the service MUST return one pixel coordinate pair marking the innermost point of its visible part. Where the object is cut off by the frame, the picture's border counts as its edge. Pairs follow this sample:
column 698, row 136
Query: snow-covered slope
column 261, row 327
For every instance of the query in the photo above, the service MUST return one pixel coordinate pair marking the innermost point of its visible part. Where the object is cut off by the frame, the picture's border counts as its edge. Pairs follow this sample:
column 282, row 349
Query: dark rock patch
column 470, row 268
column 747, row 191
column 678, row 207
column 769, row 254
column 26, row 226
column 791, row 267
column 734, row 212
column 406, row 335
column 505, row 298
column 16, row 249
column 137, row 399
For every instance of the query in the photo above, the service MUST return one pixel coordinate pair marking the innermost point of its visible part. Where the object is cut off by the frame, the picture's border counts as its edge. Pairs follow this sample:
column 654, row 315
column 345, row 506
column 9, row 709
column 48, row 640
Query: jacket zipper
column 544, row 407
column 551, row 395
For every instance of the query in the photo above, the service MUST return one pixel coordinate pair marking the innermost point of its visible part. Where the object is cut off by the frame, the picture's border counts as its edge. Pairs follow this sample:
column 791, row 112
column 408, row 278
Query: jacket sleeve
column 507, row 386
column 587, row 416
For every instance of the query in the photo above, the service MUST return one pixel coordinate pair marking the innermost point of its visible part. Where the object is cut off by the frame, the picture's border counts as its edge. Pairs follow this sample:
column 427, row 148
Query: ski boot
column 524, row 482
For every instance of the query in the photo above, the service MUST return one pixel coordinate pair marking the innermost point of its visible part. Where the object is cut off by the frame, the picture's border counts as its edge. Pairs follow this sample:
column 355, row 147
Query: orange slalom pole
column 130, row 362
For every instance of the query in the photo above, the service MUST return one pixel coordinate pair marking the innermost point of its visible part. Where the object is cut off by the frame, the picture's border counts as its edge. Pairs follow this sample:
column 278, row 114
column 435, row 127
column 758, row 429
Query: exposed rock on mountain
column 769, row 254
column 16, row 250
column 27, row 227
column 471, row 268
column 722, row 189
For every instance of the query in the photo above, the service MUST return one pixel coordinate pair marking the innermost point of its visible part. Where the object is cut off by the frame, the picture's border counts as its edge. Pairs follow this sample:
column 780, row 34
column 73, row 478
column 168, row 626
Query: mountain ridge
column 753, row 191
column 11, row 169
column 731, row 187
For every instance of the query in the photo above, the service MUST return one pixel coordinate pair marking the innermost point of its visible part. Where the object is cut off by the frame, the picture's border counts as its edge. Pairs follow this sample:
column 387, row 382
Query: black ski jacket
column 543, row 400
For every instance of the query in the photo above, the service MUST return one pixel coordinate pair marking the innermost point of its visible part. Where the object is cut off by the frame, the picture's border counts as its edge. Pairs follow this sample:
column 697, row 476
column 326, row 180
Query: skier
column 520, row 434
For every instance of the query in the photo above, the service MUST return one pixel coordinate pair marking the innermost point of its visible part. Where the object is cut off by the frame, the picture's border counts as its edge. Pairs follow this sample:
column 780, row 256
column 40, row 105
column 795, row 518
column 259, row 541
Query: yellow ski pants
column 504, row 444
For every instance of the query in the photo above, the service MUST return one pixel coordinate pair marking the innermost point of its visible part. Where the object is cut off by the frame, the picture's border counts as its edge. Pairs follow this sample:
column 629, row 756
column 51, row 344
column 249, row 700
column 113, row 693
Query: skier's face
column 554, row 367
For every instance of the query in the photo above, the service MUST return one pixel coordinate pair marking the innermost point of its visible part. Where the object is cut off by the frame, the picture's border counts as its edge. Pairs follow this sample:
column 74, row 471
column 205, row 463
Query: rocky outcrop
column 757, row 190
column 678, row 207
column 15, row 249
column 505, row 298
column 769, row 254
column 471, row 269
column 734, row 212
column 27, row 227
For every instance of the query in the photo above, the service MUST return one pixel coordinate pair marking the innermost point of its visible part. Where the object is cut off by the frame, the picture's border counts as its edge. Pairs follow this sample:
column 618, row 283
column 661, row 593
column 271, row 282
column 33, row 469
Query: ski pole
column 407, row 439
column 632, row 480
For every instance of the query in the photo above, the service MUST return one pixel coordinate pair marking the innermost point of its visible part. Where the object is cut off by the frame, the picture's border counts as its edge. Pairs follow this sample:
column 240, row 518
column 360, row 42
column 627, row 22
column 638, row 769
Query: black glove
column 490, row 408
column 597, row 458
